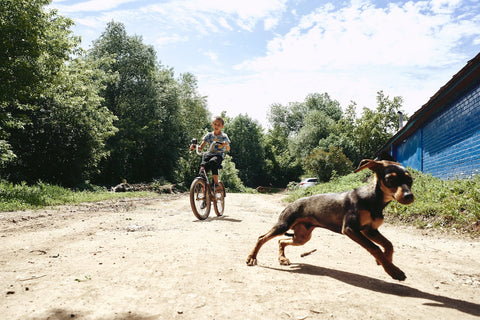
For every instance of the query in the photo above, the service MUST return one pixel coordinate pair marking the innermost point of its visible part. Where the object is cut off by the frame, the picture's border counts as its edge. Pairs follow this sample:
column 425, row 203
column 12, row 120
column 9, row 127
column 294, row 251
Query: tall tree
column 144, row 97
column 247, row 149
column 281, row 165
column 375, row 127
column 33, row 45
column 61, row 128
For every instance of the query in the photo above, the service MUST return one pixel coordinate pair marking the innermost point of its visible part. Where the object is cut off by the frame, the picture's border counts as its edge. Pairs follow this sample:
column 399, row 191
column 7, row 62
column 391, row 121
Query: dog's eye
column 390, row 180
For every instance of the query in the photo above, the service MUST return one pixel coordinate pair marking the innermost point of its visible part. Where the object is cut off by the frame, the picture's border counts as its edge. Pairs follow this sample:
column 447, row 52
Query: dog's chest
column 366, row 219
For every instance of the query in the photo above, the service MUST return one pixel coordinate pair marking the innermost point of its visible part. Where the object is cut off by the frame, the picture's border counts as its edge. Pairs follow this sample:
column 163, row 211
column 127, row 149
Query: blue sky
column 250, row 54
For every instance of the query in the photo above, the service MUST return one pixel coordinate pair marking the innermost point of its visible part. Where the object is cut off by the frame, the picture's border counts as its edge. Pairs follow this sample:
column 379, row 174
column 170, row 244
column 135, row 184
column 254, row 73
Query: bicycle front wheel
column 200, row 199
column 219, row 201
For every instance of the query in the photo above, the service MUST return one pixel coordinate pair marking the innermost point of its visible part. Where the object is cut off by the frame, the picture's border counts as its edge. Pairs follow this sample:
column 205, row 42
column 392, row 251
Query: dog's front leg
column 375, row 251
column 377, row 237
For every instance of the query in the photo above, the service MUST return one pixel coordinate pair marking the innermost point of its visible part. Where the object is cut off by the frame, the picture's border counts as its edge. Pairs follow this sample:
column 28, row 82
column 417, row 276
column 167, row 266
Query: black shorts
column 212, row 162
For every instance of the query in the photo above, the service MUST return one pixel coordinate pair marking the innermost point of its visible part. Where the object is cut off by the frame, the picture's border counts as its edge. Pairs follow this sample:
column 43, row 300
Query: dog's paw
column 251, row 261
column 284, row 261
column 397, row 274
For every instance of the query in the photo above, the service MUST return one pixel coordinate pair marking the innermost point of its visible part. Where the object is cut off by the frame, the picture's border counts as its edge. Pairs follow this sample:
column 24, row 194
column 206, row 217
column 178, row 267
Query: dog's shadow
column 383, row 287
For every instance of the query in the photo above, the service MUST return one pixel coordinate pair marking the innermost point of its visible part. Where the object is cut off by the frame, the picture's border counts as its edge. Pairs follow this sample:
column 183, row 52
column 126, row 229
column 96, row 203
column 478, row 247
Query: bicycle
column 202, row 194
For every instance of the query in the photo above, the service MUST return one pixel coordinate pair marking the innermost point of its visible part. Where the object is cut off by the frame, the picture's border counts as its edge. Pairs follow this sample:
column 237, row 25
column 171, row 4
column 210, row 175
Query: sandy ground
column 151, row 259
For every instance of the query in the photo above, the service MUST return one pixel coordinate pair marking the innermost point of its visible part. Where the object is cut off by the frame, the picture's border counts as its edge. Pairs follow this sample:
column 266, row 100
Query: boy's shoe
column 203, row 205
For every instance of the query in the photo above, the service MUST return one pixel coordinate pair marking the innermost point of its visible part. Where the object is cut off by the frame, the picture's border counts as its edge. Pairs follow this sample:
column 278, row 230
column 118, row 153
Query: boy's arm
column 200, row 147
column 227, row 145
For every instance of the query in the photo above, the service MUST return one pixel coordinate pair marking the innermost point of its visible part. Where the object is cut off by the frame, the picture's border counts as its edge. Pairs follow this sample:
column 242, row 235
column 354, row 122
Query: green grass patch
column 15, row 197
column 439, row 204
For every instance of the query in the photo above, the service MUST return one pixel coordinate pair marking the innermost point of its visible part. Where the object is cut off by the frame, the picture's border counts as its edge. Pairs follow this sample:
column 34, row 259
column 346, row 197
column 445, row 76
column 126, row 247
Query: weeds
column 22, row 196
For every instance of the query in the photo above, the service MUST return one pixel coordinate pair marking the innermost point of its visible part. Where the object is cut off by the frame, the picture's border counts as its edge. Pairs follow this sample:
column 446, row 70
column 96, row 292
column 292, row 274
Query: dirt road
column 151, row 259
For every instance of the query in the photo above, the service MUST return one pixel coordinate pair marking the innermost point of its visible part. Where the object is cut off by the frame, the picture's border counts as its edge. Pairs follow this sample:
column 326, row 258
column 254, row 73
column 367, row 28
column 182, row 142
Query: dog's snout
column 408, row 197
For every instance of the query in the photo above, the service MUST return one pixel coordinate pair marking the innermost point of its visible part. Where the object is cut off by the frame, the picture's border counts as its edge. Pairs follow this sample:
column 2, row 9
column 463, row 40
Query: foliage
column 247, row 148
column 376, row 127
column 25, row 44
column 281, row 166
column 229, row 176
column 144, row 98
column 60, row 138
column 453, row 204
column 325, row 164
column 22, row 196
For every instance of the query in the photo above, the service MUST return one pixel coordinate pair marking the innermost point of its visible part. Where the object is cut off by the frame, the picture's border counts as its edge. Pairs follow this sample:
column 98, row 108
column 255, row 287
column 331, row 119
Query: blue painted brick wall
column 451, row 140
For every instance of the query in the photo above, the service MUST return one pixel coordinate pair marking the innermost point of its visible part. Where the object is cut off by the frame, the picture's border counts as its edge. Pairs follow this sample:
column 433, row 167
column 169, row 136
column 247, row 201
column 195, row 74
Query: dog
column 356, row 213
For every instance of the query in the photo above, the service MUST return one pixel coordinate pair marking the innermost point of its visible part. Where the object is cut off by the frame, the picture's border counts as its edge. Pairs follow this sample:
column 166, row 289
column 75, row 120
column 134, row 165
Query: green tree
column 324, row 164
column 323, row 102
column 316, row 126
column 375, row 127
column 145, row 98
column 247, row 149
column 57, row 126
column 342, row 135
column 281, row 166
column 33, row 46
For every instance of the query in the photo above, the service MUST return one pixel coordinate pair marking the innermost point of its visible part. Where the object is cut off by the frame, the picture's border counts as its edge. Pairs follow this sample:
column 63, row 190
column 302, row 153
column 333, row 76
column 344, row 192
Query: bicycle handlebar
column 195, row 143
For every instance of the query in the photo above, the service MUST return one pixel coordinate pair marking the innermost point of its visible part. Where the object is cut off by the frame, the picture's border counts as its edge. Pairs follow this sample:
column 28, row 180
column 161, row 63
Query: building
column 443, row 137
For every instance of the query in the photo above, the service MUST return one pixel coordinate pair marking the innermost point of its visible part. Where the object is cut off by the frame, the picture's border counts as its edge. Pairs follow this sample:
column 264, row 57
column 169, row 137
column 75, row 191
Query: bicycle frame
column 202, row 192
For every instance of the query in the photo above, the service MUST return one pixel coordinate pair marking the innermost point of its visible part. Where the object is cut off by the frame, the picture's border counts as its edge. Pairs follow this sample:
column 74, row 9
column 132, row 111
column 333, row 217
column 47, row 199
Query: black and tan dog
column 356, row 213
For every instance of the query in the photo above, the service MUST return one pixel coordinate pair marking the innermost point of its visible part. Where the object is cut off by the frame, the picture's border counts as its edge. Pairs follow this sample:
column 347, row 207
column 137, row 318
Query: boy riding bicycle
column 218, row 143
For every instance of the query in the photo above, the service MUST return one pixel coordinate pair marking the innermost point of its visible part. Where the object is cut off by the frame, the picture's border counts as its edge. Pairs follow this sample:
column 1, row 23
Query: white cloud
column 363, row 34
column 90, row 6
column 352, row 52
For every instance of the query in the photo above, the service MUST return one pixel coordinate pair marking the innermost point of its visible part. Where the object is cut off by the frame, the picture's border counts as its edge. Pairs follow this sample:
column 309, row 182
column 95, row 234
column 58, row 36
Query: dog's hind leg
column 302, row 234
column 277, row 230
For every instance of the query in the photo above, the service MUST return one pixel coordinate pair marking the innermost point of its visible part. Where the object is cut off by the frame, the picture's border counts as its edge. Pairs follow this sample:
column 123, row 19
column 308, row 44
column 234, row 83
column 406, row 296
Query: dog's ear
column 384, row 155
column 367, row 164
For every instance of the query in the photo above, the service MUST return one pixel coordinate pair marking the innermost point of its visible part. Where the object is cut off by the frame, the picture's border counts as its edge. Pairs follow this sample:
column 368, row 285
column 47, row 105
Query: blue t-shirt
column 217, row 148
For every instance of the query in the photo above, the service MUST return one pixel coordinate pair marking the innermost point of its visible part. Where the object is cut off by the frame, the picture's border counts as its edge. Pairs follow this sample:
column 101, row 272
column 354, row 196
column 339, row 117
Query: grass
column 15, row 197
column 439, row 204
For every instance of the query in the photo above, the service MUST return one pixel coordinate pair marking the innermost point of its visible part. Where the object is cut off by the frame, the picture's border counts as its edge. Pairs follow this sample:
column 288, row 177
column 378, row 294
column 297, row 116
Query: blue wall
column 409, row 152
column 448, row 145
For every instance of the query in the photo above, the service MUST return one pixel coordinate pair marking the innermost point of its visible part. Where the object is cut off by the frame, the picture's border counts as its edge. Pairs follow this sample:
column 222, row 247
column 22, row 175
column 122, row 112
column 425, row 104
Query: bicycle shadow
column 222, row 218
column 381, row 286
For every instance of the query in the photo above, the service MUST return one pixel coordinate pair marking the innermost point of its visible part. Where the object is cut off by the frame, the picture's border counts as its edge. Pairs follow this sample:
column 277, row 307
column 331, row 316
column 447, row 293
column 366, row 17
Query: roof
column 459, row 83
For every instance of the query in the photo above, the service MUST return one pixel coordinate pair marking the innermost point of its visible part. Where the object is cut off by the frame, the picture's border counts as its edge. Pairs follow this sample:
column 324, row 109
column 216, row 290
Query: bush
column 229, row 176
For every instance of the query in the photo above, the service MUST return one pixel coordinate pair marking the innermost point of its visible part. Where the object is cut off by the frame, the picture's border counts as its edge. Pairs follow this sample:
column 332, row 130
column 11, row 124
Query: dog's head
column 394, row 180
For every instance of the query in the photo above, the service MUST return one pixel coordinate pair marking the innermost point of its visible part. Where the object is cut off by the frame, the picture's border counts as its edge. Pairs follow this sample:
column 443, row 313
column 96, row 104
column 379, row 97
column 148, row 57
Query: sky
column 250, row 54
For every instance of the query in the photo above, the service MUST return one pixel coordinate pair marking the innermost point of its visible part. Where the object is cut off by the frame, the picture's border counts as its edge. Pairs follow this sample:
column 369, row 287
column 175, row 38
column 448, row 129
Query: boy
column 218, row 144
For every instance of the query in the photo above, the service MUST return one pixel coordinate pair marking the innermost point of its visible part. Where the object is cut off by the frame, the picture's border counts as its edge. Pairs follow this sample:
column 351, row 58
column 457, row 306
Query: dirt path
column 151, row 259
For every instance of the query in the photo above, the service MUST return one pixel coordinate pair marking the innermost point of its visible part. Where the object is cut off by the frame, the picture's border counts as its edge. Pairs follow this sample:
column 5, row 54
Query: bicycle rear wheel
column 219, row 201
column 200, row 199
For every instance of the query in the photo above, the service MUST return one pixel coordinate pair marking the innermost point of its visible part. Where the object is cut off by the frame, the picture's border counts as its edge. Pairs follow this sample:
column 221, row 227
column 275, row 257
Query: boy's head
column 219, row 119
column 217, row 124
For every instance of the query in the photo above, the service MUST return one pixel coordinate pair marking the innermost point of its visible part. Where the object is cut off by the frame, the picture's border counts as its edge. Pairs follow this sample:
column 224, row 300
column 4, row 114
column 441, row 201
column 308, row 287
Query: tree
column 324, row 164
column 247, row 149
column 281, row 166
column 62, row 128
column 33, row 46
column 316, row 126
column 145, row 98
column 342, row 135
column 375, row 128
